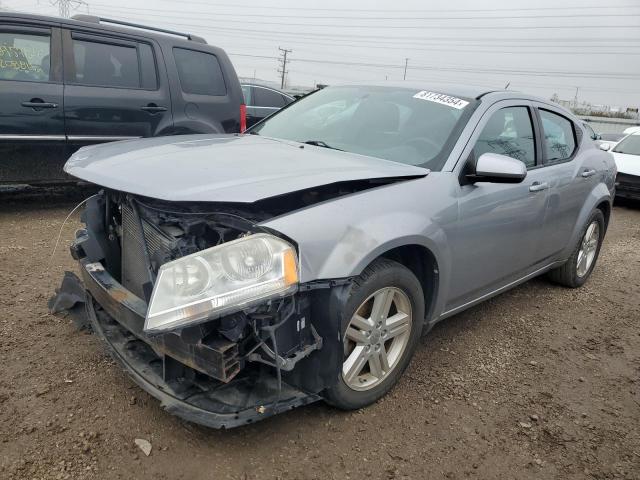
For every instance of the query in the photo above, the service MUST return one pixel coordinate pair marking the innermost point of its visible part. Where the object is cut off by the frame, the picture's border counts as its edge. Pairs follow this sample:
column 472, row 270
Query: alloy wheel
column 588, row 249
column 376, row 337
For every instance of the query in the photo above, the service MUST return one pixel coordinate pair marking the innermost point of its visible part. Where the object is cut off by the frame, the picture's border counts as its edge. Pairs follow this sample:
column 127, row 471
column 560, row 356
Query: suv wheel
column 575, row 272
column 386, row 315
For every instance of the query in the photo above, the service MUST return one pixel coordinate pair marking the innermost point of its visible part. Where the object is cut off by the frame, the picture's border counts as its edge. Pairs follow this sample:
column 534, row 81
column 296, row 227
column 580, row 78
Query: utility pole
column 406, row 62
column 65, row 6
column 575, row 99
column 283, row 65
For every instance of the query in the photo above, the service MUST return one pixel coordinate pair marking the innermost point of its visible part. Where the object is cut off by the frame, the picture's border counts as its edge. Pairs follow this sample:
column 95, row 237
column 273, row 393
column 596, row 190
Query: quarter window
column 559, row 138
column 509, row 132
column 199, row 72
column 25, row 57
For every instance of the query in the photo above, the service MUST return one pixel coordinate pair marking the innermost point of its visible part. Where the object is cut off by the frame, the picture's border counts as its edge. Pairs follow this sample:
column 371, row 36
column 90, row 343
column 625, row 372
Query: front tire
column 384, row 319
column 575, row 272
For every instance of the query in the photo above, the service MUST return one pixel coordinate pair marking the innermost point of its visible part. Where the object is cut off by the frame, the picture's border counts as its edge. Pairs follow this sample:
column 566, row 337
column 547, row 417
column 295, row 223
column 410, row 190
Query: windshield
column 629, row 145
column 398, row 124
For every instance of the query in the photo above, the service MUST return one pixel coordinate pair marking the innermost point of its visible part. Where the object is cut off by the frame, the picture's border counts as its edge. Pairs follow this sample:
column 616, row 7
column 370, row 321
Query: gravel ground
column 540, row 382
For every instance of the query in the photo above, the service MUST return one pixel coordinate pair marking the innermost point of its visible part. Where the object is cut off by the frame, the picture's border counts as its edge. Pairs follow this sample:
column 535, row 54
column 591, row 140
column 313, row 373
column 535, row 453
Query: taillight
column 243, row 117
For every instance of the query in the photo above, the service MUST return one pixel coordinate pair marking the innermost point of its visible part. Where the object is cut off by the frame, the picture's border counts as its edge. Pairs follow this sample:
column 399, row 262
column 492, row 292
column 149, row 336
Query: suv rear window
column 199, row 72
column 24, row 57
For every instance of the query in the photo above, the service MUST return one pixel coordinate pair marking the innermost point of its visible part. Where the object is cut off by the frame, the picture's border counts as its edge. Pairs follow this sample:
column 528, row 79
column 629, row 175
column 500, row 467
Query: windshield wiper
column 320, row 143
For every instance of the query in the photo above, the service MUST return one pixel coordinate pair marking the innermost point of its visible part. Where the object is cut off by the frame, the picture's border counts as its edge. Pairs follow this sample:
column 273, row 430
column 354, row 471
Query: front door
column 32, row 141
column 504, row 221
column 113, row 90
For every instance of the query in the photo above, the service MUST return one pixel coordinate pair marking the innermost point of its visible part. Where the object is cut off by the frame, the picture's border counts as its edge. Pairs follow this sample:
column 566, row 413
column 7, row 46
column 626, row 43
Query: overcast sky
column 542, row 47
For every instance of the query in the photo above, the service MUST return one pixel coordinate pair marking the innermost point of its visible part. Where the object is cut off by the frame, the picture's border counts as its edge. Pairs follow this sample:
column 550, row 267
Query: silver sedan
column 238, row 276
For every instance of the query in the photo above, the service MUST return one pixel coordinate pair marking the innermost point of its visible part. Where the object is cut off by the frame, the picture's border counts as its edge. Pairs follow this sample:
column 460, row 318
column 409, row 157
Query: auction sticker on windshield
column 442, row 99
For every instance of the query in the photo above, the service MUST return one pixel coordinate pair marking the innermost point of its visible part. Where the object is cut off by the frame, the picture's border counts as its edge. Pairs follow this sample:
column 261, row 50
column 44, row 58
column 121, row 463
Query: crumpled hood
column 625, row 163
column 223, row 168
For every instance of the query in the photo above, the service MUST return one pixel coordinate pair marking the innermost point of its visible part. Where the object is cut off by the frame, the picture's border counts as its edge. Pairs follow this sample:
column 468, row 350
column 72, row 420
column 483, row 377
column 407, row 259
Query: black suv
column 66, row 83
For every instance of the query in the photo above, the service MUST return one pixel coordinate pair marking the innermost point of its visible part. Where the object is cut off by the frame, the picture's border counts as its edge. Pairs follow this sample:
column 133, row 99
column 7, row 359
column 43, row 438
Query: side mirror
column 496, row 168
column 605, row 146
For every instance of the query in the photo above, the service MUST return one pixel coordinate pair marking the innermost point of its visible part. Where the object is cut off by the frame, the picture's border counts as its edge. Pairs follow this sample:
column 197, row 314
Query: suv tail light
column 243, row 117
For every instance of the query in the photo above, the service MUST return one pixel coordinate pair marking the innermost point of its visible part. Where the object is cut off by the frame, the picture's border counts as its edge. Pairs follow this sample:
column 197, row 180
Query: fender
column 362, row 231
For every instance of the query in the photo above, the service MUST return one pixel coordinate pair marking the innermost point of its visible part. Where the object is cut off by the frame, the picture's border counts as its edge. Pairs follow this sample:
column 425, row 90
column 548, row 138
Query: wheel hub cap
column 376, row 338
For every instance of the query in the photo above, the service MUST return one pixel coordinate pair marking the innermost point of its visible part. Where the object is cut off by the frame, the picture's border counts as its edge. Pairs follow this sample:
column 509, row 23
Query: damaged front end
column 218, row 358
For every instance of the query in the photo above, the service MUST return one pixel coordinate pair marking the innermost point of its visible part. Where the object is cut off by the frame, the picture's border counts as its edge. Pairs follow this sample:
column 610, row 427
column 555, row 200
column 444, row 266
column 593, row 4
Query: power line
column 409, row 27
column 401, row 39
column 428, row 11
column 245, row 14
column 354, row 37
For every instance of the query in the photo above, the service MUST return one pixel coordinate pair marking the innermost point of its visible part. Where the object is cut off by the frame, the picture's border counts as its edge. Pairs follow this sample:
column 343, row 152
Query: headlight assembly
column 220, row 280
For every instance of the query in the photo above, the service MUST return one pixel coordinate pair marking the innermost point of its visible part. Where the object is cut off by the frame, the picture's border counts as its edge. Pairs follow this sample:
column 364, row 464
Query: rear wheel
column 575, row 272
column 386, row 314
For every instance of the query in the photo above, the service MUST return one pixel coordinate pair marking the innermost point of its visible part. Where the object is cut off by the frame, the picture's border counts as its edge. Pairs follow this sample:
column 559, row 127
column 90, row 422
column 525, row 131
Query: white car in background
column 627, row 156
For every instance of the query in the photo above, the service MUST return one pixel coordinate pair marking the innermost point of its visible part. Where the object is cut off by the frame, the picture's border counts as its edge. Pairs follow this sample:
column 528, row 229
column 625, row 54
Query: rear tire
column 384, row 319
column 577, row 269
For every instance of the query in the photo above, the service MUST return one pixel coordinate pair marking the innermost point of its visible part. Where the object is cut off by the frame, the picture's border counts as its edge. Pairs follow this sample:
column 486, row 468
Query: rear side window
column 263, row 97
column 114, row 65
column 199, row 72
column 508, row 132
column 559, row 138
column 24, row 57
column 246, row 93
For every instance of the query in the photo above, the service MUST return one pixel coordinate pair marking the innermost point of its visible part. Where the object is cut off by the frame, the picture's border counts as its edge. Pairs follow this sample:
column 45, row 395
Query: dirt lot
column 541, row 382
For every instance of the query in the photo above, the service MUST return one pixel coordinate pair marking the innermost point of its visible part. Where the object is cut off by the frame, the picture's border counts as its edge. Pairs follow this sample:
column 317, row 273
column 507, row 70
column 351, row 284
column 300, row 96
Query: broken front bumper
column 117, row 317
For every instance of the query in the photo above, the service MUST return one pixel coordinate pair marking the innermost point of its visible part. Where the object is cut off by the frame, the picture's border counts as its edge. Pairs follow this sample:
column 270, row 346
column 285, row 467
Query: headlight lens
column 220, row 280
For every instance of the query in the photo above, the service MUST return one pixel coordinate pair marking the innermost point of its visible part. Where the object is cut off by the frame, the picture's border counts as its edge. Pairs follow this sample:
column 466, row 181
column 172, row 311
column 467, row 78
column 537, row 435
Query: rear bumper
column 117, row 317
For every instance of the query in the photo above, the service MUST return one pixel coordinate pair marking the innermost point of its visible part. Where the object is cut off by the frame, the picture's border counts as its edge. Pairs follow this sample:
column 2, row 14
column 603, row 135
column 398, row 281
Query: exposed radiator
column 134, row 270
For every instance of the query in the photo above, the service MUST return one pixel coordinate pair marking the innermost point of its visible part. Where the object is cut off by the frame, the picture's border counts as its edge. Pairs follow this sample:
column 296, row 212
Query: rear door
column 571, row 174
column 32, row 141
column 115, row 89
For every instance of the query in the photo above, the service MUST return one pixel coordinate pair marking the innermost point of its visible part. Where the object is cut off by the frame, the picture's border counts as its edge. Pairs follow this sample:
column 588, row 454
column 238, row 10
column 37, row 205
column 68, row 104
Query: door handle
column 38, row 103
column 538, row 187
column 588, row 173
column 152, row 108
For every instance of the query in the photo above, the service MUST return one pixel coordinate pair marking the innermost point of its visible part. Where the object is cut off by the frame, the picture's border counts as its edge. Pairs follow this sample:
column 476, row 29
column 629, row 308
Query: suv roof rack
column 95, row 19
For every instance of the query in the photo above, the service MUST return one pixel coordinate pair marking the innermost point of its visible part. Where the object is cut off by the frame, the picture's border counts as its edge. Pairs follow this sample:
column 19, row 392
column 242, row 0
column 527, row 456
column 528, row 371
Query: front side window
column 559, row 140
column 107, row 65
column 199, row 72
column 267, row 98
column 509, row 132
column 629, row 145
column 393, row 123
column 25, row 57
